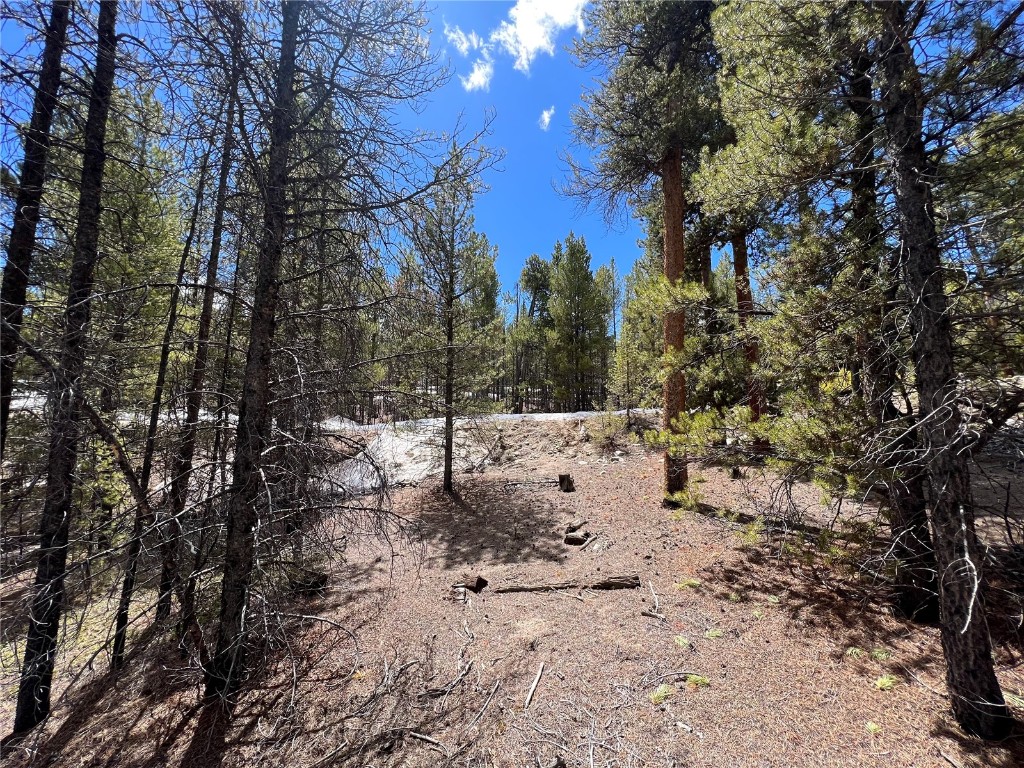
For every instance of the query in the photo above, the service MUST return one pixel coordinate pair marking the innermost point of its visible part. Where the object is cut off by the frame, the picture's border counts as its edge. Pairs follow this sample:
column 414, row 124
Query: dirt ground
column 771, row 652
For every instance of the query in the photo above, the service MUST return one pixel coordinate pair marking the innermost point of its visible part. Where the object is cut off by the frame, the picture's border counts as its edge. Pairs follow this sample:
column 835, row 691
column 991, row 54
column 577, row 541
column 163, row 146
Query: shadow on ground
column 486, row 523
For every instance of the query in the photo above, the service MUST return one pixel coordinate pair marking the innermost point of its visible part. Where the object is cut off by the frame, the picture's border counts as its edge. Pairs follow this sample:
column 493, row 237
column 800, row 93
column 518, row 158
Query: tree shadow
column 486, row 523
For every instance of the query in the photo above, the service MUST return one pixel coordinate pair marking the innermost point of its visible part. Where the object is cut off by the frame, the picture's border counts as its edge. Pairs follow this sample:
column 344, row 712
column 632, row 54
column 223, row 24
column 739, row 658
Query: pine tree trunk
column 916, row 591
column 449, row 397
column 974, row 691
column 745, row 311
column 181, row 473
column 224, row 673
column 674, row 389
column 48, row 598
column 18, row 266
column 143, row 513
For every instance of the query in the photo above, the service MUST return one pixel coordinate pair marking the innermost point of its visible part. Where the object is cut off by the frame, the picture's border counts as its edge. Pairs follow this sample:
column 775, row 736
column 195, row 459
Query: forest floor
column 773, row 649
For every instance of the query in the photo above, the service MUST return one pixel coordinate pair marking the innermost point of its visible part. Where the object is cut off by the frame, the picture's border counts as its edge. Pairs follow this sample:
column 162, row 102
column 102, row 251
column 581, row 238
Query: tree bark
column 974, row 691
column 14, row 289
column 224, row 674
column 674, row 389
column 48, row 599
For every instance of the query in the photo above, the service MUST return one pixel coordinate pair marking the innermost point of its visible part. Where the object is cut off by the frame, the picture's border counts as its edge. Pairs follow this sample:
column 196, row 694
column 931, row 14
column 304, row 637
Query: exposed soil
column 783, row 644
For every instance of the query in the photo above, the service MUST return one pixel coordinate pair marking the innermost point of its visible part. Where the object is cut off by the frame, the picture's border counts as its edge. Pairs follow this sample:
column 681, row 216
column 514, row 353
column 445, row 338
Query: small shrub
column 880, row 654
column 873, row 728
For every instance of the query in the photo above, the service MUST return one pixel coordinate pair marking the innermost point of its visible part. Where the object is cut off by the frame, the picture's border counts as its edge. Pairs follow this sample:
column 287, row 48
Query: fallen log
column 609, row 582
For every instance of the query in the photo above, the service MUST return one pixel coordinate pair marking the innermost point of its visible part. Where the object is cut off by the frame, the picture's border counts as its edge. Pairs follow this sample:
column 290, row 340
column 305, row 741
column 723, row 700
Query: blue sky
column 509, row 58
column 512, row 58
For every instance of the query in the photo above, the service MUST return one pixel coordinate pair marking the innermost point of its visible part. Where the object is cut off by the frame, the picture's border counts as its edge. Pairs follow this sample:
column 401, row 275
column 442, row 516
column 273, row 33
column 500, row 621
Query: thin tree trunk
column 449, row 388
column 745, row 312
column 916, row 592
column 224, row 674
column 48, row 598
column 674, row 389
column 14, row 289
column 143, row 512
column 181, row 473
column 974, row 691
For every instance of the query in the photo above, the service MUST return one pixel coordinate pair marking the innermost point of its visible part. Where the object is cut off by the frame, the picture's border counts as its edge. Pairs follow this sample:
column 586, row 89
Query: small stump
column 565, row 484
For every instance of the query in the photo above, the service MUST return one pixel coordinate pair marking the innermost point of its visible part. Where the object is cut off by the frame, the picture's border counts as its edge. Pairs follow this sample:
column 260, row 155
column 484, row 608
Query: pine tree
column 578, row 340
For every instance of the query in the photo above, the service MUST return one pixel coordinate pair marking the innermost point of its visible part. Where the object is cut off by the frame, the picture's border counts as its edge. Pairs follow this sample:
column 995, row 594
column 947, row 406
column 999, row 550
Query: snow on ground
column 409, row 452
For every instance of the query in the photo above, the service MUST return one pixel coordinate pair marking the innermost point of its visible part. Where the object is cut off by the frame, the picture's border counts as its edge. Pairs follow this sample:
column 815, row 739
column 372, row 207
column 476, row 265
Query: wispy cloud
column 463, row 42
column 534, row 25
column 545, row 118
column 480, row 76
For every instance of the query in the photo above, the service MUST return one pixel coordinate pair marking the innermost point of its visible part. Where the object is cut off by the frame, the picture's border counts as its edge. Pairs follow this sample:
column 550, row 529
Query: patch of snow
column 409, row 452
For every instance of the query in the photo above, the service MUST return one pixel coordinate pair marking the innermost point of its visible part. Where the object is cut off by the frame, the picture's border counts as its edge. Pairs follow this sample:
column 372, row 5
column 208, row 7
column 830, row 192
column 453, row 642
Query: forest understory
column 760, row 646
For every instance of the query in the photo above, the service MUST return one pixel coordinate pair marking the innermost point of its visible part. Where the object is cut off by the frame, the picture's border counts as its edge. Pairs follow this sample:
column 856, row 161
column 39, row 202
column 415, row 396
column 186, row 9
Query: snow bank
column 409, row 452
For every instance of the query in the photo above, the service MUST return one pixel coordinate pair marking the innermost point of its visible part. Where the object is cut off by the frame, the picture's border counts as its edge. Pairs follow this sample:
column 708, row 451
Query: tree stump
column 565, row 484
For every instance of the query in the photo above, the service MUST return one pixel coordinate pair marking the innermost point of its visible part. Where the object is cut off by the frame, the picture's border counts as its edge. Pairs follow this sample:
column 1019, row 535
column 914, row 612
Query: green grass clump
column 662, row 693
column 688, row 584
column 711, row 634
column 886, row 682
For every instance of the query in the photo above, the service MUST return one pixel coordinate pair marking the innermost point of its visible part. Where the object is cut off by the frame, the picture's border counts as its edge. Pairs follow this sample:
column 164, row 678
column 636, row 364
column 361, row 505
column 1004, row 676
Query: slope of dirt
column 762, row 658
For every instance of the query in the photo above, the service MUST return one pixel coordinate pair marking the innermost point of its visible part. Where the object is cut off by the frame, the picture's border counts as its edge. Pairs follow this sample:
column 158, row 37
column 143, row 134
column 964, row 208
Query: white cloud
column 463, row 42
column 533, row 26
column 545, row 118
column 480, row 76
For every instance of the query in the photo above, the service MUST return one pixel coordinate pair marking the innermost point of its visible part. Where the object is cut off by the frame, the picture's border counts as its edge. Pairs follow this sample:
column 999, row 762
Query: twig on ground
column 950, row 760
column 432, row 742
column 490, row 696
column 533, row 688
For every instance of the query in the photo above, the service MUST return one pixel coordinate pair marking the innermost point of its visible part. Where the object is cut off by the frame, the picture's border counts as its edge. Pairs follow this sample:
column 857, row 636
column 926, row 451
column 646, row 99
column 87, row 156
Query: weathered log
column 609, row 582
column 574, row 525
column 565, row 484
column 474, row 583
